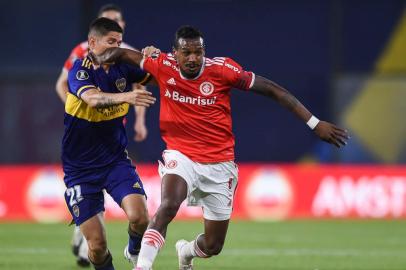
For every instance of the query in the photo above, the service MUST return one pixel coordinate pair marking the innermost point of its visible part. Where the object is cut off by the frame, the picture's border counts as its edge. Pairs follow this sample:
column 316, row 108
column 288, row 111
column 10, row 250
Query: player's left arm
column 324, row 130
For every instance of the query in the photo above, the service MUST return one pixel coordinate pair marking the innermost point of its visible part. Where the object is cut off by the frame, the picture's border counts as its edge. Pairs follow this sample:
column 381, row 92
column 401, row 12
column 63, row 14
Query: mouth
column 192, row 67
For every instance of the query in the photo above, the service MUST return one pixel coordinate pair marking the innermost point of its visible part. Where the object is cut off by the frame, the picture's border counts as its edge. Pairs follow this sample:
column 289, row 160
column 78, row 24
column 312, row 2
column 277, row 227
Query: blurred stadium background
column 345, row 60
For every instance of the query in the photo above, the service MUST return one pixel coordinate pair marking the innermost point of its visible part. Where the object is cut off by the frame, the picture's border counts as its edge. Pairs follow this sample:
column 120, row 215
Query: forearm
column 140, row 114
column 119, row 55
column 271, row 89
column 98, row 99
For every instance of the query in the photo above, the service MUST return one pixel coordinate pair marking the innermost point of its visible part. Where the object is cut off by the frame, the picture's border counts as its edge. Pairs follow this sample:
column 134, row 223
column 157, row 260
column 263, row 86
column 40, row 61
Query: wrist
column 312, row 122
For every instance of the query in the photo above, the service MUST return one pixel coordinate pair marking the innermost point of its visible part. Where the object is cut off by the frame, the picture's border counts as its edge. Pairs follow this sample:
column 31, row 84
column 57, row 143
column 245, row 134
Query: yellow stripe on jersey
column 79, row 109
column 146, row 78
column 83, row 88
column 87, row 63
column 84, row 62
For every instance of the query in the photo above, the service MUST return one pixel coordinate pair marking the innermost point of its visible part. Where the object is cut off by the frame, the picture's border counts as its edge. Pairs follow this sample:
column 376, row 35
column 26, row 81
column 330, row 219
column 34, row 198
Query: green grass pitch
column 293, row 245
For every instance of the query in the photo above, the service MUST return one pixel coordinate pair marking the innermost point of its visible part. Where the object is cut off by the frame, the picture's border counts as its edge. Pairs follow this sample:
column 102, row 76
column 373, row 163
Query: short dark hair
column 186, row 32
column 109, row 7
column 101, row 26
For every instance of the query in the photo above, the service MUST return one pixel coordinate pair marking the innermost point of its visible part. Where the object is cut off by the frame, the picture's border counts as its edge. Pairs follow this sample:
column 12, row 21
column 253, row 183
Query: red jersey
column 195, row 114
column 80, row 52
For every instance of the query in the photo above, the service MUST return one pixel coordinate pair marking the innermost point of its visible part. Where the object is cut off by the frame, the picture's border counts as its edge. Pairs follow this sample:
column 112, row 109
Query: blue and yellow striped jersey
column 95, row 137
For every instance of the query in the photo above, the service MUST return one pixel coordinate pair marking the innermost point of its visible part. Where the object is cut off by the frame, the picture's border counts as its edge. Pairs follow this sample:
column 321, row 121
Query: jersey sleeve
column 80, row 77
column 151, row 64
column 77, row 53
column 137, row 75
column 234, row 74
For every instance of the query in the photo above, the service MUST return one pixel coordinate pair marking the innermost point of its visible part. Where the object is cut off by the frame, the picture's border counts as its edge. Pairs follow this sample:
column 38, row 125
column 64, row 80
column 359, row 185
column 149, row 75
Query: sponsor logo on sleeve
column 82, row 75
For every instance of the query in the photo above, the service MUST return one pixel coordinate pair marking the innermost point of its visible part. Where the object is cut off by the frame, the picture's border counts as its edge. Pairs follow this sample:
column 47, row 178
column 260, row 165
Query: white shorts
column 210, row 185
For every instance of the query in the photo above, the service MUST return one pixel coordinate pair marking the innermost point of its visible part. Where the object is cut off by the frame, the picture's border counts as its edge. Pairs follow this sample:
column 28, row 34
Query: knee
column 138, row 219
column 97, row 246
column 213, row 249
column 169, row 208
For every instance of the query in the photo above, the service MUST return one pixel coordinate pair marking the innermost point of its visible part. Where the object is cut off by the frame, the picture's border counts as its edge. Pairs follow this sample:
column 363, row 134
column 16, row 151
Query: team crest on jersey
column 206, row 88
column 172, row 164
column 121, row 84
column 82, row 75
column 75, row 209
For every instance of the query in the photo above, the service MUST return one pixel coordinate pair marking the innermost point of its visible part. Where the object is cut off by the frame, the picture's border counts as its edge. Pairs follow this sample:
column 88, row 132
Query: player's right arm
column 82, row 85
column 98, row 99
column 112, row 55
column 128, row 56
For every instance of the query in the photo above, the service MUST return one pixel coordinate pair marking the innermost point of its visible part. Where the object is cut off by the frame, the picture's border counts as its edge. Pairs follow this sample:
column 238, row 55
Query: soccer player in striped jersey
column 94, row 155
column 195, row 122
column 113, row 12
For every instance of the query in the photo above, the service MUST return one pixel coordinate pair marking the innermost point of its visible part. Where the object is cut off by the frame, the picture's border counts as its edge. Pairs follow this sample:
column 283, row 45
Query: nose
column 192, row 58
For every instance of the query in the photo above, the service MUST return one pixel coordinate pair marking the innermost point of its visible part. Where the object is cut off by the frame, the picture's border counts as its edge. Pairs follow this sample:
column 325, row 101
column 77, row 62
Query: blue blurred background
column 345, row 60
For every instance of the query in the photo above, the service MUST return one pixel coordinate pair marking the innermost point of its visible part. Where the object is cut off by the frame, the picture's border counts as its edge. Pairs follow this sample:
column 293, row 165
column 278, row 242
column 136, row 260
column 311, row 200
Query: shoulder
column 83, row 63
column 163, row 59
column 81, row 69
column 215, row 64
column 225, row 64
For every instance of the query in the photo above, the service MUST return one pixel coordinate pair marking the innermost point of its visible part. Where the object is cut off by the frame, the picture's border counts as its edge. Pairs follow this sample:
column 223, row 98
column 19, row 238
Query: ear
column 92, row 42
column 175, row 53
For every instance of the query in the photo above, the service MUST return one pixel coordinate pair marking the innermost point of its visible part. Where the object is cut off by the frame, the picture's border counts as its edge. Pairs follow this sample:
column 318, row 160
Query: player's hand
column 150, row 51
column 331, row 133
column 140, row 131
column 140, row 97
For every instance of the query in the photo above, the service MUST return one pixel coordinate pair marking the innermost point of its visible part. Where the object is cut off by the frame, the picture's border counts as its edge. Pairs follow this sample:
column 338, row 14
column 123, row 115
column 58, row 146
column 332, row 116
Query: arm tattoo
column 105, row 102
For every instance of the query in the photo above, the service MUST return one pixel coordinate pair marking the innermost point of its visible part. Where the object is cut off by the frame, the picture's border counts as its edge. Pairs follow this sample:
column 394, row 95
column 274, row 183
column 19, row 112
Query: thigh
column 218, row 182
column 180, row 167
column 84, row 201
column 123, row 180
column 174, row 189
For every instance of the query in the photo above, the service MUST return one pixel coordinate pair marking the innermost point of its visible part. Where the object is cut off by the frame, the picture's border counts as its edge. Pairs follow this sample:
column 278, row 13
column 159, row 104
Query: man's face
column 189, row 55
column 115, row 16
column 98, row 44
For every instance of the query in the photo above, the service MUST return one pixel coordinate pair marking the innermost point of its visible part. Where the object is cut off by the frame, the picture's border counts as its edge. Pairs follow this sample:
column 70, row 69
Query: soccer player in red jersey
column 195, row 122
column 112, row 12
